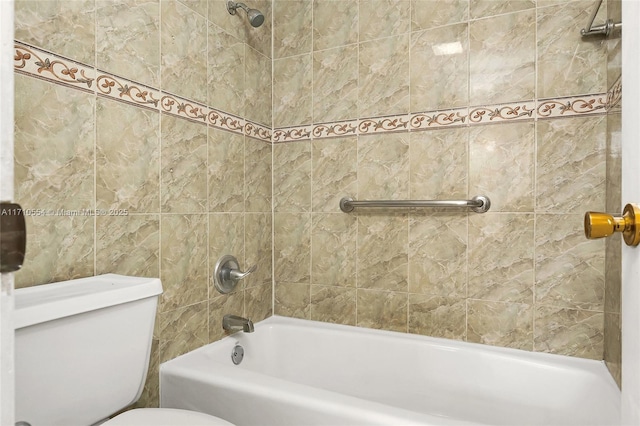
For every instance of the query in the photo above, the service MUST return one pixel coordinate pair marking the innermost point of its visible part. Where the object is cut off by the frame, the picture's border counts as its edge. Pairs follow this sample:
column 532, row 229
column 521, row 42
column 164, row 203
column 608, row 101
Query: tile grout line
column 273, row 214
column 95, row 155
column 311, row 212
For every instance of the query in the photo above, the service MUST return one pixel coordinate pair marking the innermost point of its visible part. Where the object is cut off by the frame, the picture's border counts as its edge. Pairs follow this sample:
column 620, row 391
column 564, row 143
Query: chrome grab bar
column 479, row 203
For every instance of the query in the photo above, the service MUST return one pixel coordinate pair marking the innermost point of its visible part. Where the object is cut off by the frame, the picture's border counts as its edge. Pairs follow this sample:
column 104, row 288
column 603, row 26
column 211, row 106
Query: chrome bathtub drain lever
column 237, row 354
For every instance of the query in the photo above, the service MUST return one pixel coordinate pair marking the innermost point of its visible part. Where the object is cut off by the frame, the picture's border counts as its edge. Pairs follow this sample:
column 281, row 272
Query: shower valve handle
column 236, row 274
column 227, row 273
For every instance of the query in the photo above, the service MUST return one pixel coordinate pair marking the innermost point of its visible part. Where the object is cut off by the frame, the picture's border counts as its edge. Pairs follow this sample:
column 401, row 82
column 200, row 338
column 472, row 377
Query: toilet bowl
column 164, row 417
column 82, row 350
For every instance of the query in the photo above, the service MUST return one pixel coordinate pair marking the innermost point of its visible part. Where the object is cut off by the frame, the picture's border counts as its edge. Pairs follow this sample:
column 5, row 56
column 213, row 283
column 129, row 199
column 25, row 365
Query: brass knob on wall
column 598, row 225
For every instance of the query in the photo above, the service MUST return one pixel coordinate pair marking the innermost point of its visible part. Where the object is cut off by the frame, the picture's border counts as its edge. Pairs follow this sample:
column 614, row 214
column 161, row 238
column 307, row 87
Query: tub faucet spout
column 233, row 323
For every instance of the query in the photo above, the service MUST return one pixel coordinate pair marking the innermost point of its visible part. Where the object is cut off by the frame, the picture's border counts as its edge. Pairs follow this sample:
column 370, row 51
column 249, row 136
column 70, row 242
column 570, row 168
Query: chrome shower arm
column 256, row 18
column 232, row 6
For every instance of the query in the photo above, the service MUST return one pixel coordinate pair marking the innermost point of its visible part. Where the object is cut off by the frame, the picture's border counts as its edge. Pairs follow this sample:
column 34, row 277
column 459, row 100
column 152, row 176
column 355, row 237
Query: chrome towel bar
column 479, row 203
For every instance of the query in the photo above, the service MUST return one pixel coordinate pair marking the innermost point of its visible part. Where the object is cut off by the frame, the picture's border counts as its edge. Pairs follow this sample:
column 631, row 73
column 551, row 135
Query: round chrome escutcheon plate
column 237, row 354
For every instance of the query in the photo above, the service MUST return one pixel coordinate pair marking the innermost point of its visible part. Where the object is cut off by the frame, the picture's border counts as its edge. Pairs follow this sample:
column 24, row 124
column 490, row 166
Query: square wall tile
column 438, row 316
column 614, row 43
column 291, row 27
column 46, row 24
column 569, row 332
column 485, row 8
column 440, row 68
column 500, row 324
column 335, row 84
column 226, row 236
column 292, row 85
column 335, row 23
column 128, row 245
column 613, row 274
column 292, row 247
column 233, row 24
column 221, row 305
column 427, row 14
column 257, row 172
column 438, row 254
column 258, row 83
column 226, row 171
column 292, row 300
column 395, row 14
column 383, row 166
column 183, row 262
column 54, row 146
column 183, row 38
column 490, row 148
column 382, row 252
column 258, row 302
column 569, row 268
column 333, row 249
column 59, row 249
column 502, row 58
column 127, row 157
column 386, row 310
column 501, row 257
column 614, row 162
column 613, row 346
column 184, row 165
column 564, row 55
column 258, row 248
column 292, row 177
column 259, row 38
column 439, row 164
column 150, row 397
column 333, row 304
column 225, row 71
column 127, row 39
column 183, row 330
column 571, row 165
column 383, row 77
column 334, row 172
column 199, row 6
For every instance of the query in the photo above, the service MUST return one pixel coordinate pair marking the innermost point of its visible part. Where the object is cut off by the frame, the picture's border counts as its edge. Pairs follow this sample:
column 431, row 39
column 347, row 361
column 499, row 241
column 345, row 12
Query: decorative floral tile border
column 393, row 123
column 38, row 63
column 120, row 89
column 290, row 134
column 500, row 113
column 614, row 96
column 567, row 107
column 35, row 62
column 45, row 65
column 336, row 129
column 436, row 119
column 504, row 112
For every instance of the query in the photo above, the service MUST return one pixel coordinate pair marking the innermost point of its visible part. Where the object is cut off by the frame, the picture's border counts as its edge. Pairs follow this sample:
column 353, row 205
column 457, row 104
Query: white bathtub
column 298, row 372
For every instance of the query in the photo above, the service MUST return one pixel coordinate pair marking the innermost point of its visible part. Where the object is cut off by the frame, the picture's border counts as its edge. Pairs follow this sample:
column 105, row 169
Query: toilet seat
column 164, row 417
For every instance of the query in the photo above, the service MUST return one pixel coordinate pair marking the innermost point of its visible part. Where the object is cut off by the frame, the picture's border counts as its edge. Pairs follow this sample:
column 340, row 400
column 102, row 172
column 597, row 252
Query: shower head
column 256, row 18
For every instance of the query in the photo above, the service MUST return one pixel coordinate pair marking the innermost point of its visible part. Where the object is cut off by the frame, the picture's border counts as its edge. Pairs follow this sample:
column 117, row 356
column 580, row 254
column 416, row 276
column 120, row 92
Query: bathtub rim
column 610, row 393
column 440, row 342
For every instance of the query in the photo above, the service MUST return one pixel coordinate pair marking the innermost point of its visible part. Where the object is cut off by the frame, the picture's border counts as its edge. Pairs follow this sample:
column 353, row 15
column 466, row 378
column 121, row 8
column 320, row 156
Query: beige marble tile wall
column 520, row 276
column 187, row 192
column 613, row 262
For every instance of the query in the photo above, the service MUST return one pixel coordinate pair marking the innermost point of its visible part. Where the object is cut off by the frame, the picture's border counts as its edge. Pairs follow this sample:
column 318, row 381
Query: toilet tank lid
column 47, row 302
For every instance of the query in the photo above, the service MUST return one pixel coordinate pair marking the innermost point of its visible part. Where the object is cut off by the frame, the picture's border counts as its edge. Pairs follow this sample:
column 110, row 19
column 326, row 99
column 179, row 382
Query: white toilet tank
column 82, row 347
